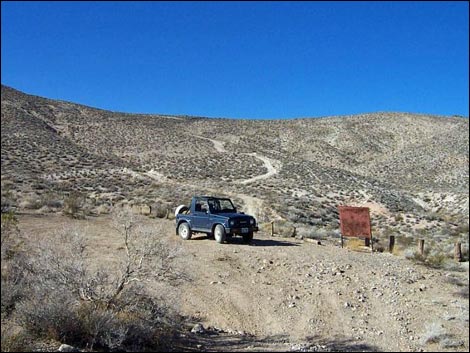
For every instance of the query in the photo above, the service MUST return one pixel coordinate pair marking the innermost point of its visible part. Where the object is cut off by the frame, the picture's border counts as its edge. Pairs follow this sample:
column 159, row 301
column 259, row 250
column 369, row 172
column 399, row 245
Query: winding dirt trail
column 252, row 205
column 268, row 163
column 218, row 145
column 271, row 165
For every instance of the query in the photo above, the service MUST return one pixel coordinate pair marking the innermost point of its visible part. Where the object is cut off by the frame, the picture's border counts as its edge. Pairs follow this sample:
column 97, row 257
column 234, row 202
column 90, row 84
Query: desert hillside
column 64, row 278
column 411, row 170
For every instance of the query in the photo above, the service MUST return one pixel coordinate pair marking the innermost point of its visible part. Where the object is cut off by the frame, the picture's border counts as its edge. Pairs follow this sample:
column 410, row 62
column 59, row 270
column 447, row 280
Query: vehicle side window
column 201, row 206
column 214, row 205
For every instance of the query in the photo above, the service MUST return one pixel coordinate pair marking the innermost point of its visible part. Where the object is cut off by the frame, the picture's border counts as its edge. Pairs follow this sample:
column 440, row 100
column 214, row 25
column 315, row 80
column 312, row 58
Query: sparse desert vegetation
column 52, row 292
column 79, row 164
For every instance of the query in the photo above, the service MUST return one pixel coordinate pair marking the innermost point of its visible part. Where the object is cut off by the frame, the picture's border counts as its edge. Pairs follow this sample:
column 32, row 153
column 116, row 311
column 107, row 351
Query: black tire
column 219, row 234
column 247, row 238
column 184, row 231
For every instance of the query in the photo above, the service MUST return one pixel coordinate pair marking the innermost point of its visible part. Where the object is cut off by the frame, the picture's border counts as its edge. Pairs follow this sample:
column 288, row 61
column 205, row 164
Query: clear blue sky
column 241, row 59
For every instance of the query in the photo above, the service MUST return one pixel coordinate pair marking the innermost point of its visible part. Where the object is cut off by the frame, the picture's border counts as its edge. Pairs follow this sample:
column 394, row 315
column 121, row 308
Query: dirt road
column 291, row 295
column 307, row 294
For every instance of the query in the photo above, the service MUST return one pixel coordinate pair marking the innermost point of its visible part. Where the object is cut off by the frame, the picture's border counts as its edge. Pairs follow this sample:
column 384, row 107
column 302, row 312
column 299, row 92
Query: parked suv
column 215, row 216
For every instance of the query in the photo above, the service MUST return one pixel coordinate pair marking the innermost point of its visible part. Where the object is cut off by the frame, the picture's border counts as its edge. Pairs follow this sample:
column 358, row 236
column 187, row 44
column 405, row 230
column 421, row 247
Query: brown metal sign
column 355, row 221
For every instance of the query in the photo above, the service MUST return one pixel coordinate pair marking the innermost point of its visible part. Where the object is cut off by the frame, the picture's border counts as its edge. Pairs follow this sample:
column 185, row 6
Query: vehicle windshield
column 221, row 206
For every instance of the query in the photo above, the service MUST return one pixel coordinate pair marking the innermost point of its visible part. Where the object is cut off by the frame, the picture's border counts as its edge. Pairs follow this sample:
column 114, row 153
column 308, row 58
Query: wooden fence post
column 421, row 247
column 272, row 228
column 391, row 244
column 458, row 252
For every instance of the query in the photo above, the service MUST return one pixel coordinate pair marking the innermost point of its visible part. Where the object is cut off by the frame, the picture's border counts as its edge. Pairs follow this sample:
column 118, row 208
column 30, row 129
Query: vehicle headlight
column 252, row 221
column 232, row 223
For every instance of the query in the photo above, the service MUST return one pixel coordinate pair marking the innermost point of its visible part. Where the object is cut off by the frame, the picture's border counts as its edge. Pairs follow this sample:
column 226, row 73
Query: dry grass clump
column 355, row 244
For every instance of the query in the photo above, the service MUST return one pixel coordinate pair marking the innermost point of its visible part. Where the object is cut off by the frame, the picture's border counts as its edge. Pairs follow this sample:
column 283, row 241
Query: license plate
column 245, row 230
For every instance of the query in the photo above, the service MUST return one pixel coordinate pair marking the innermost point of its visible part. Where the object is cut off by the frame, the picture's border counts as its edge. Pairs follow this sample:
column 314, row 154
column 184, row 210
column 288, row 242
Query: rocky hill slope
column 410, row 169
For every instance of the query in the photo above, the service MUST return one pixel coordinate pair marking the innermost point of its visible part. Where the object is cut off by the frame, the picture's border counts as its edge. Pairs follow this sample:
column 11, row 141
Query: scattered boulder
column 198, row 329
column 67, row 348
column 145, row 210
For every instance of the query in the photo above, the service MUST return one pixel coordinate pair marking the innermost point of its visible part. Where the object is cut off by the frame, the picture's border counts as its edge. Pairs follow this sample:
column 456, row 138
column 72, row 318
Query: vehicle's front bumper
column 239, row 230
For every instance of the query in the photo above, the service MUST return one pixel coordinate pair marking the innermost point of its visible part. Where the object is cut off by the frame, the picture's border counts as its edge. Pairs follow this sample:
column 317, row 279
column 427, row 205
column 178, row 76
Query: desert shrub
column 135, row 321
column 459, row 230
column 311, row 233
column 433, row 333
column 14, row 339
column 433, row 216
column 414, row 255
column 399, row 218
column 284, row 229
column 320, row 233
column 62, row 298
column 436, row 259
column 102, row 209
column 9, row 235
column 160, row 210
column 7, row 199
column 73, row 205
column 49, row 314
column 432, row 257
column 14, row 285
column 52, row 200
column 13, row 264
column 463, row 292
column 31, row 202
column 379, row 247
column 406, row 242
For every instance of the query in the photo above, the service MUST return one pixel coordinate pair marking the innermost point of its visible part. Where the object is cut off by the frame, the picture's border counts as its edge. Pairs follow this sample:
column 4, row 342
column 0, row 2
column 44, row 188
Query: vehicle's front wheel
column 219, row 233
column 247, row 238
column 184, row 231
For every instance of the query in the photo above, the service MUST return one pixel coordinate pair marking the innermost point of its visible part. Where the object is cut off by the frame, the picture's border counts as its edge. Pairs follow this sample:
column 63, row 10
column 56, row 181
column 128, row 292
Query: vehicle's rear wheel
column 247, row 238
column 184, row 231
column 219, row 233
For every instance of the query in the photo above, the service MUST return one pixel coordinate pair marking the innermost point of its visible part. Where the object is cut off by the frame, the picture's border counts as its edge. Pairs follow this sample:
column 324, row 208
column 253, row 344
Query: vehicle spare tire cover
column 181, row 209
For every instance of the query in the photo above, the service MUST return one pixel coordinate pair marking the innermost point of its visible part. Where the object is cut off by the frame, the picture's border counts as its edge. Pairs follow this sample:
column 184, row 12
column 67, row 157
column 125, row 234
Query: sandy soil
column 282, row 294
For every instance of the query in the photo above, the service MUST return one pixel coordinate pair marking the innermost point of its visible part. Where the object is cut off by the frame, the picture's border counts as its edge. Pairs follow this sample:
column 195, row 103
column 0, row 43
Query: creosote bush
column 74, row 204
column 61, row 298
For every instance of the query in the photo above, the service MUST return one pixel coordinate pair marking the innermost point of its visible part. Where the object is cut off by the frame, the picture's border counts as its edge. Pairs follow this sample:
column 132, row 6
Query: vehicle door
column 201, row 217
